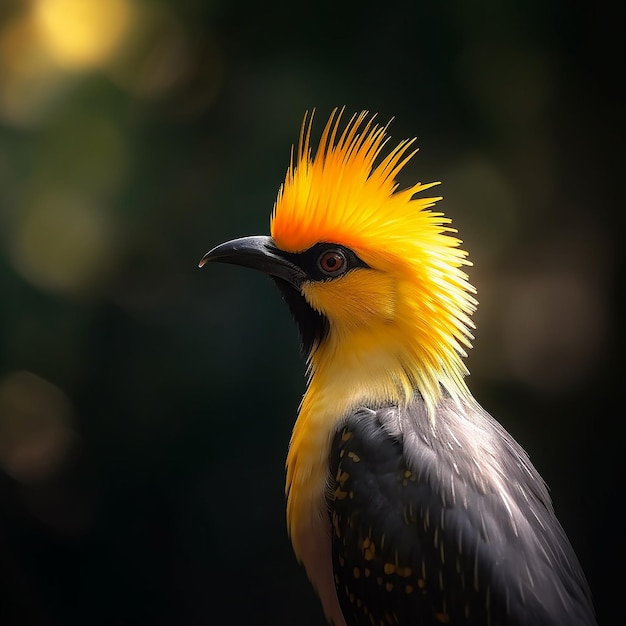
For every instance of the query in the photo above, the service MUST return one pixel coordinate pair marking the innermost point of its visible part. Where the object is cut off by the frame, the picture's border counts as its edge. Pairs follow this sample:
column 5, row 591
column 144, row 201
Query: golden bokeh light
column 82, row 34
column 49, row 46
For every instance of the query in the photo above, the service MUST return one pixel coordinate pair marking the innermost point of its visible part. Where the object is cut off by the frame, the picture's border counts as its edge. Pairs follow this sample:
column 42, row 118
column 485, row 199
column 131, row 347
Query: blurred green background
column 146, row 406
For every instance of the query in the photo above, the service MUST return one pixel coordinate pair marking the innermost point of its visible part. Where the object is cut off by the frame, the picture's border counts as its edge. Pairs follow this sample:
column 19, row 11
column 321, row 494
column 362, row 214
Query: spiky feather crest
column 347, row 193
column 342, row 194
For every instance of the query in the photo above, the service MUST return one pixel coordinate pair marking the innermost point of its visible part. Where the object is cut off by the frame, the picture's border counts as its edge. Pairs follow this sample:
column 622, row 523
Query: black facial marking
column 311, row 261
column 314, row 326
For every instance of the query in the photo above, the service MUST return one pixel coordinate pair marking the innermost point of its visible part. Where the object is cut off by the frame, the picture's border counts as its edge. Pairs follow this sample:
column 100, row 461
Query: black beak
column 259, row 253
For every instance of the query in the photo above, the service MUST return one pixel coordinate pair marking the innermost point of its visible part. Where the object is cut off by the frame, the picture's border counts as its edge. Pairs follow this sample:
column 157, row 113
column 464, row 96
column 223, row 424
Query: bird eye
column 332, row 262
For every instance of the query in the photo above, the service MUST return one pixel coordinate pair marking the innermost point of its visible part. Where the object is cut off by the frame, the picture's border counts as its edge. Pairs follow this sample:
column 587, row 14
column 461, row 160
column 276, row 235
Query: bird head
column 373, row 276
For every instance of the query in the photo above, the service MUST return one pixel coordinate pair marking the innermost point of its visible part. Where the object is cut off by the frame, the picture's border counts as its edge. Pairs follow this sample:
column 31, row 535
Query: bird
column 406, row 502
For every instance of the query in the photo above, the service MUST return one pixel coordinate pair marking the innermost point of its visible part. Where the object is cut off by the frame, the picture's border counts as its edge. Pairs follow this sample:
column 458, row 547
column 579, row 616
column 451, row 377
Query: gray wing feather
column 456, row 502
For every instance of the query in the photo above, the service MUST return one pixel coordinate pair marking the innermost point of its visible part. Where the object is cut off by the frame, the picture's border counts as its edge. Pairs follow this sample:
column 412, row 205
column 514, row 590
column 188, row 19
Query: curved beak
column 259, row 253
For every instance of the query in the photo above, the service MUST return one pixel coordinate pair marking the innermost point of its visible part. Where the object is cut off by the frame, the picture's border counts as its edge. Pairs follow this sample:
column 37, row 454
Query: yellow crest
column 347, row 193
column 342, row 194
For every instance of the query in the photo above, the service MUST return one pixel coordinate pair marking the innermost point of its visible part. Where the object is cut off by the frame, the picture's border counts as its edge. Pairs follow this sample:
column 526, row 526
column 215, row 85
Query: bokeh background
column 146, row 406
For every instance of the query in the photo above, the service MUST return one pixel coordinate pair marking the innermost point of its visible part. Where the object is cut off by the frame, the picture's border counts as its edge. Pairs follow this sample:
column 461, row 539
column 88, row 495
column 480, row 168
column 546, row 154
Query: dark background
column 146, row 406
